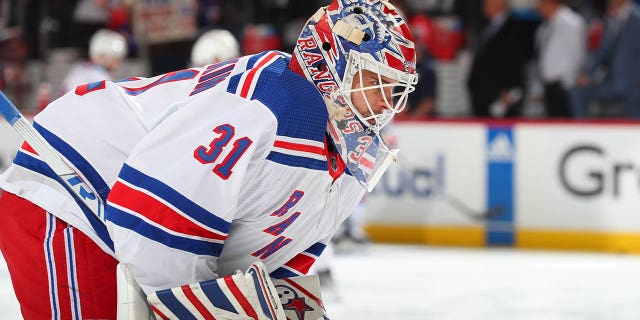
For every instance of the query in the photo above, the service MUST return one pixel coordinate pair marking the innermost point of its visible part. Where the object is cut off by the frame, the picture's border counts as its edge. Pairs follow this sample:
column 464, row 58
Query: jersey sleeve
column 170, row 211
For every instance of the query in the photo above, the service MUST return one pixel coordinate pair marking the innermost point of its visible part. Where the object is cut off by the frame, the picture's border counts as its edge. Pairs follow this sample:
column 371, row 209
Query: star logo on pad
column 298, row 305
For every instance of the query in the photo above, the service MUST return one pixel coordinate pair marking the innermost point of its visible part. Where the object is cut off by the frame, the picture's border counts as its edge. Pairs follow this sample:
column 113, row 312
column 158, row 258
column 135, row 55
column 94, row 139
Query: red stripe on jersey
column 196, row 302
column 27, row 147
column 301, row 263
column 298, row 147
column 240, row 297
column 156, row 211
column 248, row 82
column 159, row 313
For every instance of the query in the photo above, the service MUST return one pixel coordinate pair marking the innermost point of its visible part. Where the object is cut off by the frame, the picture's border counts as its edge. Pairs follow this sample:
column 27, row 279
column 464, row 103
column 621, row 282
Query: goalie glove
column 239, row 296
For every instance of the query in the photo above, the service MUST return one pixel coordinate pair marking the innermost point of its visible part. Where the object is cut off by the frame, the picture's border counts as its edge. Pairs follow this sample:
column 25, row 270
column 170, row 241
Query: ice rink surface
column 420, row 282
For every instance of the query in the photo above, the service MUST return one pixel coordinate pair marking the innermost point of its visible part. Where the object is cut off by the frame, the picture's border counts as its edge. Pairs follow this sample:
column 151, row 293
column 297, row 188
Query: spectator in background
column 107, row 49
column 618, row 56
column 505, row 45
column 561, row 42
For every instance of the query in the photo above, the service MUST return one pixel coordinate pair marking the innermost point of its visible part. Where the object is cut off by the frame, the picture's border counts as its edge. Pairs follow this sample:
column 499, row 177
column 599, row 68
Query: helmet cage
column 394, row 93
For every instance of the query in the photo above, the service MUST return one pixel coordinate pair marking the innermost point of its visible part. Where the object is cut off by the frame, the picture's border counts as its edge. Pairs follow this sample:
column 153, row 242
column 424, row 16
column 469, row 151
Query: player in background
column 214, row 46
column 262, row 156
column 107, row 49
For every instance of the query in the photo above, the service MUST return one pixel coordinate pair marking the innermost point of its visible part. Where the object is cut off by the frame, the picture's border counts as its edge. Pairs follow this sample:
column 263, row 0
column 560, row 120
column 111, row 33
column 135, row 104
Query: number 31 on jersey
column 209, row 154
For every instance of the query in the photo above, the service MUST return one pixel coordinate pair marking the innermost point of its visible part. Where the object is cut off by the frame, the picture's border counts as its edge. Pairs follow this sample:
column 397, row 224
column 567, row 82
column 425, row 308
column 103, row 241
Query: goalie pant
column 224, row 156
column 53, row 265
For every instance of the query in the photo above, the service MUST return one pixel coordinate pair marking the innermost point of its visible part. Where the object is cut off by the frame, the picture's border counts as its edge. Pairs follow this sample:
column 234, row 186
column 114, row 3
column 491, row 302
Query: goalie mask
column 360, row 55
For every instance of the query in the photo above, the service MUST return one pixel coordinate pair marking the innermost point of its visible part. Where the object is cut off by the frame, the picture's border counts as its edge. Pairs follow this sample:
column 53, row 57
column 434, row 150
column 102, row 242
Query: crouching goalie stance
column 248, row 164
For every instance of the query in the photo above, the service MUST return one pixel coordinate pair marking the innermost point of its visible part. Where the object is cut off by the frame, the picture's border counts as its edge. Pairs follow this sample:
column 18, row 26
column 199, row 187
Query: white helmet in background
column 107, row 43
column 214, row 46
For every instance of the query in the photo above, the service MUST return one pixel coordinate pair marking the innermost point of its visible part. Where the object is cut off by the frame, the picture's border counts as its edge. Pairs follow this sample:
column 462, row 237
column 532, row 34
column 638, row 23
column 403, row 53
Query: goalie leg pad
column 300, row 297
column 239, row 296
column 132, row 302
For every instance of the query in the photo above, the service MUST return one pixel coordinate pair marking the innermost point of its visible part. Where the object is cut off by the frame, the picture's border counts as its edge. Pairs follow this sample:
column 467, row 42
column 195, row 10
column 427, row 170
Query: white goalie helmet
column 214, row 46
column 353, row 50
column 107, row 44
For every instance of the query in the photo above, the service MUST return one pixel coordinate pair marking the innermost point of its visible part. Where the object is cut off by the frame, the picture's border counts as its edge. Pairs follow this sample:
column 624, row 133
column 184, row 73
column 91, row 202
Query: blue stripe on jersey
column 282, row 273
column 209, row 74
column 213, row 75
column 212, row 290
column 207, row 85
column 24, row 160
column 174, row 198
column 140, row 226
column 172, row 303
column 295, row 161
column 316, row 249
column 78, row 161
column 93, row 85
column 233, row 83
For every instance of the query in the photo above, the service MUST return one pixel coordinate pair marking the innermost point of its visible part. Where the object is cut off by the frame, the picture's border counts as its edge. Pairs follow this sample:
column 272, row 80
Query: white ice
column 421, row 282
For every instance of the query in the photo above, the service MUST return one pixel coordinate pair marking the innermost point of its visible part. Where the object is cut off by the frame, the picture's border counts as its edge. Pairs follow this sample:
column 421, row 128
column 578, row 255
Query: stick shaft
column 72, row 180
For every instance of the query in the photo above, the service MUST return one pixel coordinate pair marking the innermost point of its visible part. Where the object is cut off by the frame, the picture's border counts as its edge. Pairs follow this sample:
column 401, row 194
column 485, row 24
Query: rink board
column 560, row 185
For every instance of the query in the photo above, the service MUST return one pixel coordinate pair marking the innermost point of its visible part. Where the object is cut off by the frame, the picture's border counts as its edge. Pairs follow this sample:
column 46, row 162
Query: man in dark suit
column 619, row 57
column 497, row 76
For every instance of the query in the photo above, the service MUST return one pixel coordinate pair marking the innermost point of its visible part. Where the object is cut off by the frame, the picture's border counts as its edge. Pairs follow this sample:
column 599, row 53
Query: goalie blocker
column 252, row 295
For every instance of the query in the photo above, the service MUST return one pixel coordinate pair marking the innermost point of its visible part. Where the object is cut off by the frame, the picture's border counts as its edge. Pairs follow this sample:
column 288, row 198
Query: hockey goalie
column 221, row 184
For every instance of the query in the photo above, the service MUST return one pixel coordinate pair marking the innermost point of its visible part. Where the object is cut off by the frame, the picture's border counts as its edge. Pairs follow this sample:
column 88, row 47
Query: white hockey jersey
column 203, row 170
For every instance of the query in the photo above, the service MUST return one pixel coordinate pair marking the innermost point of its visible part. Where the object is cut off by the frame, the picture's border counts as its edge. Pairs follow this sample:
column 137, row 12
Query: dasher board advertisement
column 558, row 185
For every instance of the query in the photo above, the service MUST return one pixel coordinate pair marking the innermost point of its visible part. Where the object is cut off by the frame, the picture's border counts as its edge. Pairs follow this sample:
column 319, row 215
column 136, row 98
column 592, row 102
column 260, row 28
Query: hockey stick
column 72, row 180
column 454, row 201
column 471, row 213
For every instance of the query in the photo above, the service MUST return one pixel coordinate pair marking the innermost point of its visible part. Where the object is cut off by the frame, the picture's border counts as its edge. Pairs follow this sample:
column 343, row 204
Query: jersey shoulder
column 295, row 102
